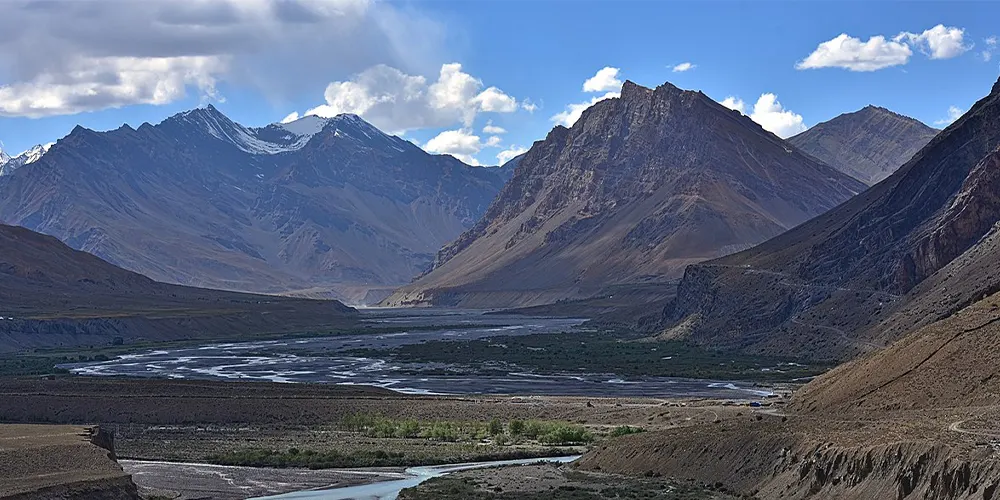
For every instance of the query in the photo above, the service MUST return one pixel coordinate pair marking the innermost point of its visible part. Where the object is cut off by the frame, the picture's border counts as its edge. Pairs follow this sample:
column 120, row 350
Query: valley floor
column 321, row 427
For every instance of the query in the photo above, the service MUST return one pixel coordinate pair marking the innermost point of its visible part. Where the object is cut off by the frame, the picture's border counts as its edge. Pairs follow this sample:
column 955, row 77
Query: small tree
column 516, row 428
column 495, row 427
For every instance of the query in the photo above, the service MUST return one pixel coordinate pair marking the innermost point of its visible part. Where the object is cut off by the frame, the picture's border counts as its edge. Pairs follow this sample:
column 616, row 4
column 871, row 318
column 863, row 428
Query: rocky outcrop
column 869, row 144
column 823, row 287
column 42, row 462
column 639, row 187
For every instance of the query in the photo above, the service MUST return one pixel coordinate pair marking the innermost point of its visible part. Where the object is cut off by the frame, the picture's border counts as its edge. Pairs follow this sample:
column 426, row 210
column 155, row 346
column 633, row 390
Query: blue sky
column 521, row 63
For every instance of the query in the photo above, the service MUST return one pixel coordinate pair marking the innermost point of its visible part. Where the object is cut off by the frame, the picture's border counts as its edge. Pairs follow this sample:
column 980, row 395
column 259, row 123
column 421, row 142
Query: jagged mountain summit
column 317, row 207
column 638, row 188
column 869, row 144
column 9, row 164
column 912, row 250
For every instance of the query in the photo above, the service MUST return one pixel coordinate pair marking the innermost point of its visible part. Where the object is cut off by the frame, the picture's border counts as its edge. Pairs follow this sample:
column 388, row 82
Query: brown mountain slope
column 52, row 295
column 638, row 188
column 868, row 144
column 948, row 354
column 854, row 279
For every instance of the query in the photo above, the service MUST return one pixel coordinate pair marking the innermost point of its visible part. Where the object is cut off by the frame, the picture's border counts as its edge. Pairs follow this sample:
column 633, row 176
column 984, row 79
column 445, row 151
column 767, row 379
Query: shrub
column 625, row 430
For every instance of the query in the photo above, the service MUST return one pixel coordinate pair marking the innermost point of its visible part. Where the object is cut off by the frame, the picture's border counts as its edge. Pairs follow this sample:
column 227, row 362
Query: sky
column 480, row 79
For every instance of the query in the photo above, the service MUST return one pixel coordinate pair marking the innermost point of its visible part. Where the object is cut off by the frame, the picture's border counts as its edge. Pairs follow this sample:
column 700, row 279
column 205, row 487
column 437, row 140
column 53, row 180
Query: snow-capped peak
column 9, row 164
column 307, row 125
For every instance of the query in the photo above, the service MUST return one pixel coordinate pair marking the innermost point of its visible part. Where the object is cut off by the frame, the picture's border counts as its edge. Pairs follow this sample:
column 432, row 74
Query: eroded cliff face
column 43, row 462
column 777, row 461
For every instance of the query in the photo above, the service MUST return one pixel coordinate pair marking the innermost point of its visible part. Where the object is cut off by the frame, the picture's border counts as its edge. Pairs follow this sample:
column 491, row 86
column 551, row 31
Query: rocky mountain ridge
column 868, row 144
column 317, row 207
column 658, row 179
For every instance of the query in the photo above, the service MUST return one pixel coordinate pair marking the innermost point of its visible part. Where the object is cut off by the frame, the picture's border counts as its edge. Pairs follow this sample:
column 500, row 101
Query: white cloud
column 572, row 113
column 495, row 100
column 851, row 53
column 294, row 115
column 492, row 129
column 67, row 56
column 991, row 48
column 682, row 67
column 396, row 102
column 770, row 115
column 89, row 83
column 939, row 42
column 605, row 80
column 510, row 153
column 734, row 103
column 954, row 113
column 844, row 51
column 528, row 106
column 461, row 144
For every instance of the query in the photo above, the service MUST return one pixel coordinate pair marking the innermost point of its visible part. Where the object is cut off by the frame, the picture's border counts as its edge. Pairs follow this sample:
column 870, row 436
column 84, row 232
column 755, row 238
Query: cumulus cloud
column 572, row 113
column 294, row 115
column 954, row 113
column 770, row 115
column 510, row 153
column 939, row 42
column 492, row 129
column 851, row 53
column 67, row 56
column 462, row 144
column 529, row 106
column 395, row 101
column 682, row 67
column 605, row 80
column 734, row 103
column 495, row 100
column 89, row 83
column 879, row 52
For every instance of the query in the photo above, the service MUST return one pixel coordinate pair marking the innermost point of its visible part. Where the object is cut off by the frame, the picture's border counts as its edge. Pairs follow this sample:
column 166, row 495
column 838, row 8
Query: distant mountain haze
column 52, row 295
column 640, row 187
column 316, row 207
column 869, row 144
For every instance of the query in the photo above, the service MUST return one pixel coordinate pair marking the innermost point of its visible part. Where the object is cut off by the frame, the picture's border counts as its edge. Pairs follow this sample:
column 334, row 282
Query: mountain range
column 869, row 144
column 907, row 254
column 316, row 207
column 640, row 187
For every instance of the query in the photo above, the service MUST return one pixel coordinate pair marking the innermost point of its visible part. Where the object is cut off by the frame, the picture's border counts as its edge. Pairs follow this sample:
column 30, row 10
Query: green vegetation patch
column 495, row 431
column 600, row 352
